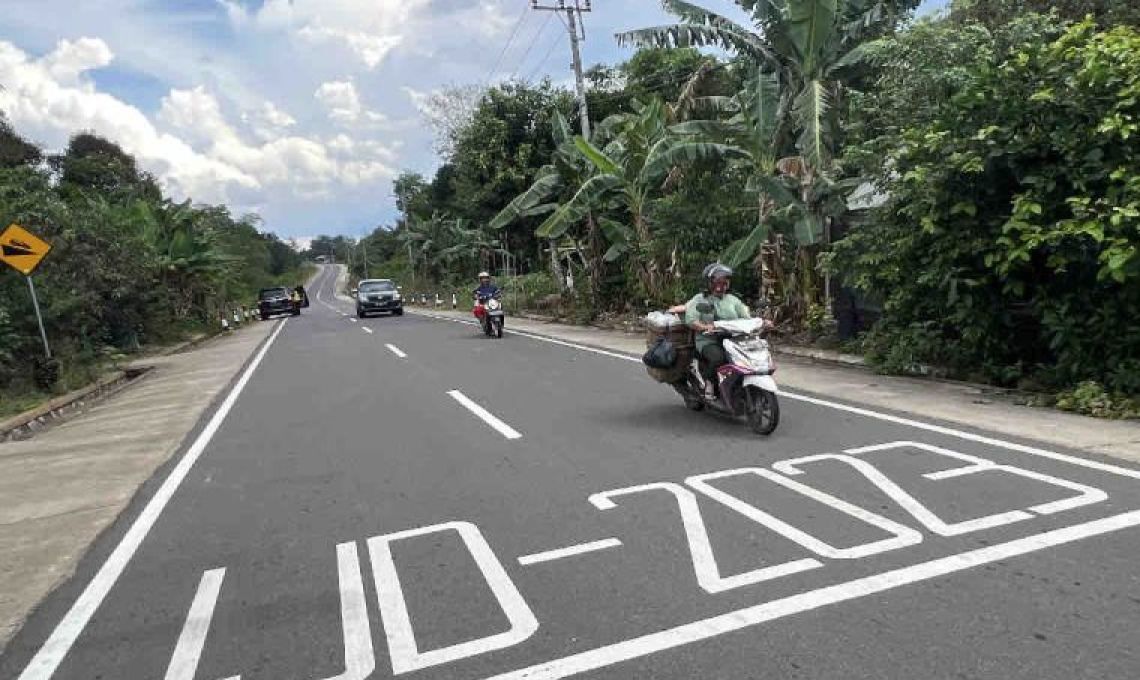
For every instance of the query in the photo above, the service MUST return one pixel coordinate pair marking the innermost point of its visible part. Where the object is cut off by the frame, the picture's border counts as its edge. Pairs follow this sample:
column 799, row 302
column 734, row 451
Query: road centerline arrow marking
column 485, row 415
column 569, row 551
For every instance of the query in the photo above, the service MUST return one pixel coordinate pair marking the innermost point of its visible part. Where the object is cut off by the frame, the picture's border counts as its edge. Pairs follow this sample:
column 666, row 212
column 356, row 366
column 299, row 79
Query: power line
column 533, row 41
column 553, row 44
column 514, row 32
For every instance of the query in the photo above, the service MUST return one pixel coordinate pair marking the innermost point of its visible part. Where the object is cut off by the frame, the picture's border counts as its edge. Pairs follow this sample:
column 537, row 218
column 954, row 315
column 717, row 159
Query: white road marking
column 579, row 549
column 485, row 415
column 48, row 658
column 366, row 329
column 938, row 429
column 188, row 651
column 359, row 657
column 397, row 351
column 351, row 318
column 701, row 553
column 689, row 633
column 402, row 648
column 903, row 536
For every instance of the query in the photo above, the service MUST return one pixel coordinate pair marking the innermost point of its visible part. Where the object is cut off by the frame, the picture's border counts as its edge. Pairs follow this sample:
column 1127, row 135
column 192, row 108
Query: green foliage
column 1091, row 399
column 1014, row 223
column 128, row 267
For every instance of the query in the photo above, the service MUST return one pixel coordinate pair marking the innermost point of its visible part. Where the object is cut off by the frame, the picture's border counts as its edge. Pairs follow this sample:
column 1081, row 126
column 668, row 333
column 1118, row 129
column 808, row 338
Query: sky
column 302, row 111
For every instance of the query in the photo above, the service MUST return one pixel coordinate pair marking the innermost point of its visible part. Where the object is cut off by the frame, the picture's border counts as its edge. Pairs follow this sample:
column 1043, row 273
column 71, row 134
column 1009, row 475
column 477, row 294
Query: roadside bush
column 1010, row 247
column 1091, row 399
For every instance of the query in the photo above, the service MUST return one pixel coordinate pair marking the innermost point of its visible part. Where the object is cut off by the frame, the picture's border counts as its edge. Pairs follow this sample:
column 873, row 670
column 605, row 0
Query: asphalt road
column 354, row 514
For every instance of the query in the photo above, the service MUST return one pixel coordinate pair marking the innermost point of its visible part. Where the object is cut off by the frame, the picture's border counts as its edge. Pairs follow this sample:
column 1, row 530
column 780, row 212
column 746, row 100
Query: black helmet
column 716, row 270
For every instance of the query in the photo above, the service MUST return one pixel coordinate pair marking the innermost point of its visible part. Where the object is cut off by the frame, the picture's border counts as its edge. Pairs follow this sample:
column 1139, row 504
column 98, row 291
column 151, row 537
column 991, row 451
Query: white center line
column 397, row 351
column 569, row 552
column 501, row 427
column 366, row 329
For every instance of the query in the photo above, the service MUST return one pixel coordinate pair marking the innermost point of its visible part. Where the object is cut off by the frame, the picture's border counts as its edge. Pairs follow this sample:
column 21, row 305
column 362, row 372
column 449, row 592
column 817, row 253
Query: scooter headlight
column 493, row 304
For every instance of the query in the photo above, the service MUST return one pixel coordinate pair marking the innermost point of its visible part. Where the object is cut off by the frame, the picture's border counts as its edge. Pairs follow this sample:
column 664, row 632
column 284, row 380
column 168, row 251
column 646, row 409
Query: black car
column 378, row 295
column 277, row 300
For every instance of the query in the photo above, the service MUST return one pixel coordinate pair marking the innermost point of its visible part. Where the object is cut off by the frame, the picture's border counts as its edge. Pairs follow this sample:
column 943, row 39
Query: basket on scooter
column 682, row 339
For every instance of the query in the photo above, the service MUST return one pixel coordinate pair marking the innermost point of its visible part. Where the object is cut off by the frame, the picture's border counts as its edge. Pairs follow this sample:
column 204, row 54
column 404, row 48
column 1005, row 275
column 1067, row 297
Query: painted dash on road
column 188, row 651
column 366, row 329
column 571, row 551
column 485, row 415
column 397, row 351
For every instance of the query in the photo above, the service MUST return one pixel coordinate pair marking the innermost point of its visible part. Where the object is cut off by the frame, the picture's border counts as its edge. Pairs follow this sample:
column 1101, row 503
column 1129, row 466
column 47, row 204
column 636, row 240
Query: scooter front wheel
column 763, row 410
column 497, row 327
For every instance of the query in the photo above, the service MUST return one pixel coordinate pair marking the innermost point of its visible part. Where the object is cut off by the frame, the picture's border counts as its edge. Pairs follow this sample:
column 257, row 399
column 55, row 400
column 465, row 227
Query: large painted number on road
column 704, row 562
column 402, row 648
column 903, row 536
column 1087, row 495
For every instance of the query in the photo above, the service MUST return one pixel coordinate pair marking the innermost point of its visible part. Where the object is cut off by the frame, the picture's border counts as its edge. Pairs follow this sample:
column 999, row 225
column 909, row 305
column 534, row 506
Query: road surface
column 403, row 497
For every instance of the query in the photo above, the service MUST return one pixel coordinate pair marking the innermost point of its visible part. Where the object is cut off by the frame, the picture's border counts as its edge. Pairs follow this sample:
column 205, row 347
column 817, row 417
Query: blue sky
column 299, row 110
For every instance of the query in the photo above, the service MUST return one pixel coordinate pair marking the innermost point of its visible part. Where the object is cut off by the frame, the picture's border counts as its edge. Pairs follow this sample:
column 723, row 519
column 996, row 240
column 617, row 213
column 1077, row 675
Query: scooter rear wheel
column 763, row 410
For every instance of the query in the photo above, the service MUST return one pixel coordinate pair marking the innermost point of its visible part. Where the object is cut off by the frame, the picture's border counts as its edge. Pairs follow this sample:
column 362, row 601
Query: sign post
column 39, row 317
column 23, row 251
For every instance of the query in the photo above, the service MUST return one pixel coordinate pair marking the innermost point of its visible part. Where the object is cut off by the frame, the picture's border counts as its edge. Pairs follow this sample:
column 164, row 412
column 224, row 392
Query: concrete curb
column 28, row 423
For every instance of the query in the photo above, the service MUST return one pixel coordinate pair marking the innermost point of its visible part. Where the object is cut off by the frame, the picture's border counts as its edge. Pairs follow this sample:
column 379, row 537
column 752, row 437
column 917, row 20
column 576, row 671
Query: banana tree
column 800, row 50
column 628, row 174
column 807, row 44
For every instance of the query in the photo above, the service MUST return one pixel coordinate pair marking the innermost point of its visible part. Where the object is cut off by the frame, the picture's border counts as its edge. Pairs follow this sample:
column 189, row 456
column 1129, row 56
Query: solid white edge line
column 366, row 329
column 188, row 650
column 397, row 351
column 938, row 429
column 814, row 599
column 44, row 664
column 485, row 415
column 570, row 551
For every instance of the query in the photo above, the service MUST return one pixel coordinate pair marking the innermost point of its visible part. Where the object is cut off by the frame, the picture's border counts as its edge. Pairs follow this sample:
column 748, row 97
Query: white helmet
column 716, row 270
column 483, row 275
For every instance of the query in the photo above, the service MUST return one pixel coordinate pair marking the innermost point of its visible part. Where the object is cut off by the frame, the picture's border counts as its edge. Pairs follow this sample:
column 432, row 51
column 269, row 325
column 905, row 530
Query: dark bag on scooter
column 661, row 355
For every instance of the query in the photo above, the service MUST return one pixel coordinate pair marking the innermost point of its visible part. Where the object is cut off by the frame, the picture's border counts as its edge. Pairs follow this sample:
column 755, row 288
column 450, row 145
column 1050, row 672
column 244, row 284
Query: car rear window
column 267, row 293
column 377, row 287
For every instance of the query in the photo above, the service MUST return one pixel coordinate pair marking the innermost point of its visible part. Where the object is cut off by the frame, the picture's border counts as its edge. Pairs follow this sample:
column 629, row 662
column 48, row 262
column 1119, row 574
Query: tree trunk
column 595, row 263
column 556, row 267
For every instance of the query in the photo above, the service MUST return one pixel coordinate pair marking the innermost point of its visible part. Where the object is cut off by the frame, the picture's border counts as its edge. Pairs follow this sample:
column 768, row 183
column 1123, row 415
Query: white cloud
column 200, row 155
column 342, row 101
column 370, row 49
column 72, row 59
column 268, row 122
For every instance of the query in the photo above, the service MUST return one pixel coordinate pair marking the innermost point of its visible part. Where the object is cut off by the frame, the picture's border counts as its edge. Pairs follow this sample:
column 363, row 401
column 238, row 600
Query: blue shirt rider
column 486, row 289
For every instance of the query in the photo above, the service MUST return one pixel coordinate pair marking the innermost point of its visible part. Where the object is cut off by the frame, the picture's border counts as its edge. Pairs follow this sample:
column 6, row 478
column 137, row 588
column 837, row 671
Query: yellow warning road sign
column 21, row 249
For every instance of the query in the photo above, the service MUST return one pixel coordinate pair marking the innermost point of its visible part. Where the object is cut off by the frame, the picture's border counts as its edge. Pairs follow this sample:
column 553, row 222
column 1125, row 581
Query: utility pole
column 573, row 10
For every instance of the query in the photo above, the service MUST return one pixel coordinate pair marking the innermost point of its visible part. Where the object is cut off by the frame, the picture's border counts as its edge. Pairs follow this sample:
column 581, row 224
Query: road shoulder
column 67, row 485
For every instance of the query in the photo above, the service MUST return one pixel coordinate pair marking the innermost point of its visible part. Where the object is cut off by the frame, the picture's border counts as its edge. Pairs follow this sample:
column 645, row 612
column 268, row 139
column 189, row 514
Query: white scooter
column 745, row 386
